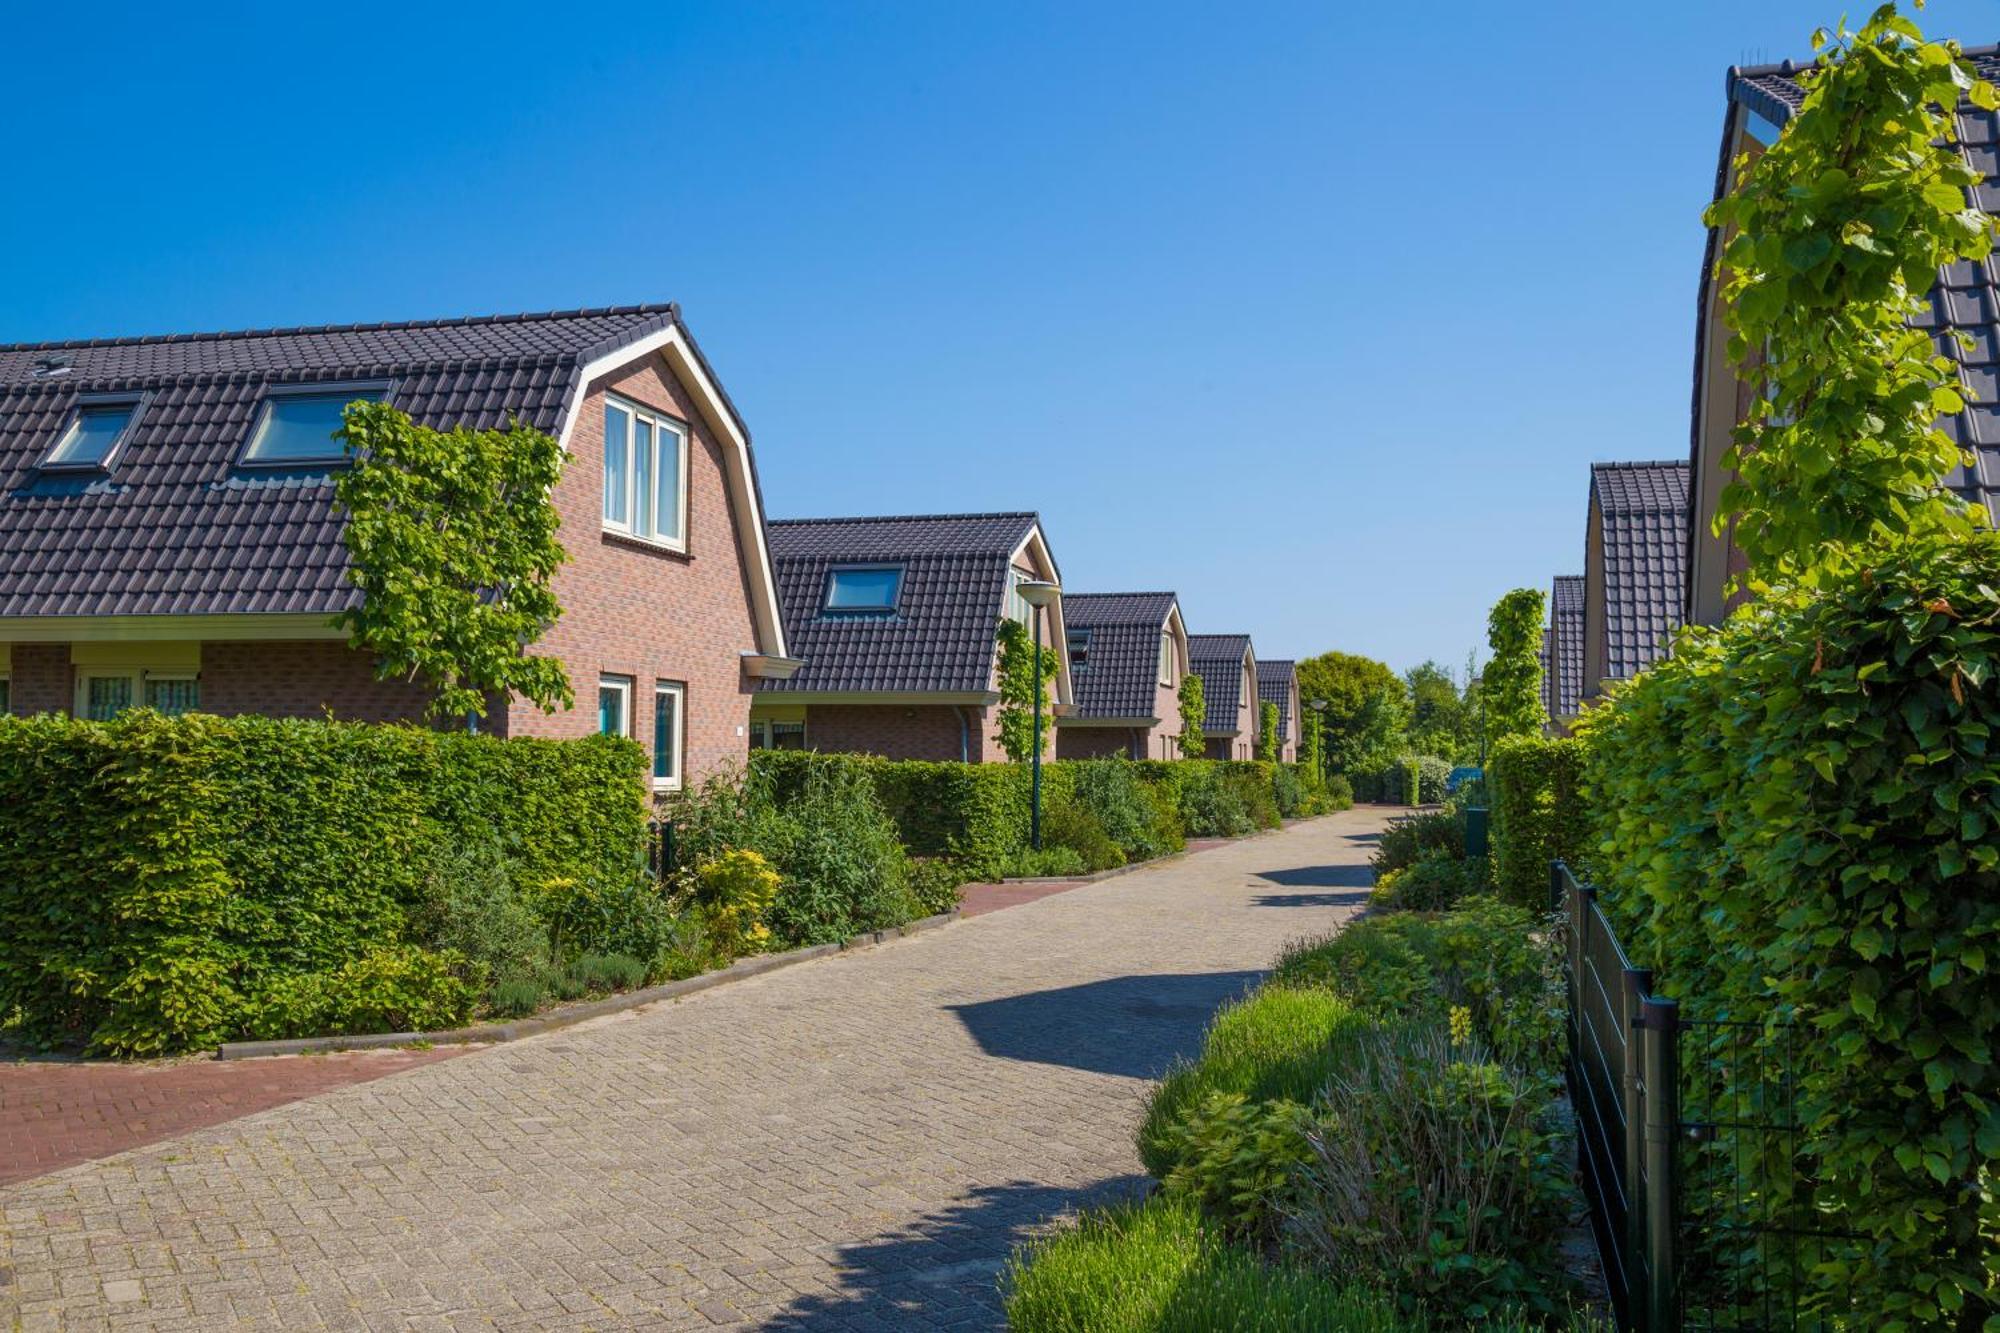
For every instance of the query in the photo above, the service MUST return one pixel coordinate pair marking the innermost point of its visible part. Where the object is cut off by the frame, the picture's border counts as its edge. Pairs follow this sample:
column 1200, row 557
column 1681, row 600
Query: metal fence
column 1686, row 1146
column 660, row 849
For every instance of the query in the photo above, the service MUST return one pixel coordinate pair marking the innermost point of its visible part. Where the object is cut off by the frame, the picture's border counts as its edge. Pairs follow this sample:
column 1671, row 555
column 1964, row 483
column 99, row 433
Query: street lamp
column 1037, row 594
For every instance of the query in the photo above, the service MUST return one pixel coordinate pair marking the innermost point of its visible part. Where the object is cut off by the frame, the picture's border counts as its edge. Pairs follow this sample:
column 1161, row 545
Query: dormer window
column 92, row 437
column 863, row 590
column 1079, row 649
column 1167, row 657
column 296, row 428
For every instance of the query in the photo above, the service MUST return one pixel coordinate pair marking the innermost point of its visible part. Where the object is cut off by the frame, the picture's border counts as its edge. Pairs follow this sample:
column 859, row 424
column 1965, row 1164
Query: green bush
column 1157, row 1268
column 1288, row 792
column 936, row 883
column 628, row 914
column 1431, row 775
column 1438, row 1174
column 1338, row 792
column 159, row 875
column 1112, row 792
column 395, row 988
column 1795, row 817
column 1052, row 862
column 515, row 997
column 1069, row 825
column 471, row 907
column 1277, row 1043
column 1538, row 813
column 1433, row 882
column 608, row 972
column 843, row 868
column 1238, row 1159
column 1414, row 836
column 1211, row 807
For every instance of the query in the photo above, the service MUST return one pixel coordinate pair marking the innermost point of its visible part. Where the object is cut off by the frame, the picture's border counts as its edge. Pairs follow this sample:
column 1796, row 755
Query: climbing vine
column 1267, row 731
column 1016, row 714
column 451, row 537
column 1312, row 748
column 1512, row 685
column 1835, row 236
column 1194, row 715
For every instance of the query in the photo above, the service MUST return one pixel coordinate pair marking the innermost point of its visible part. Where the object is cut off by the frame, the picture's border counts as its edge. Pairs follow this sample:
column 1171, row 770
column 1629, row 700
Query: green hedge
column 1797, row 819
column 159, row 875
column 1538, row 813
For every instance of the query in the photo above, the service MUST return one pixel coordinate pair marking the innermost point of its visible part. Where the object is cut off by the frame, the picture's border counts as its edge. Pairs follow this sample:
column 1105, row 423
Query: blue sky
column 1316, row 317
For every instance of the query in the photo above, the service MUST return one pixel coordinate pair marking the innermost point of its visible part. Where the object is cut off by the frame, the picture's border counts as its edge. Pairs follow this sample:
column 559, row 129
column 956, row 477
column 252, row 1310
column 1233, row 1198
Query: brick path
column 855, row 1143
column 55, row 1114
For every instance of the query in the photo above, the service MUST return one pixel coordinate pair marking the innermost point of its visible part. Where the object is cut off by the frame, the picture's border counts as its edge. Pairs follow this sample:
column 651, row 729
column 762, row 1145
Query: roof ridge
column 386, row 326
column 1641, row 462
column 906, row 518
column 1790, row 67
column 1072, row 596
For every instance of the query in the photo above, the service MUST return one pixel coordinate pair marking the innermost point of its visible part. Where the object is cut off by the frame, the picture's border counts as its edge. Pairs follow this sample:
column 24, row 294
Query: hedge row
column 1538, row 814
column 158, row 876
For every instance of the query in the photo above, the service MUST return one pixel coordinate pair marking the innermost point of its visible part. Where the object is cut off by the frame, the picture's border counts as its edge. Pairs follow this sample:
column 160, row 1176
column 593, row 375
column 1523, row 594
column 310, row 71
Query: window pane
column 788, row 735
column 667, row 507
column 666, row 734
column 91, row 436
column 1079, row 647
column 617, row 427
column 6, row 695
column 611, row 710
column 642, row 476
column 299, row 426
column 105, row 697
column 173, row 697
column 863, row 589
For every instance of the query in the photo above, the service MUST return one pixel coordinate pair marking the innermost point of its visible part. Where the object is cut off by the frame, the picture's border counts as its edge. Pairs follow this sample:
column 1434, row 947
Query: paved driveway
column 854, row 1143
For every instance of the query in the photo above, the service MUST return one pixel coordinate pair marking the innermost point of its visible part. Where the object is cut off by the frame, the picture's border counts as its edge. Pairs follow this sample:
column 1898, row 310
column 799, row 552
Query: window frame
column 1169, row 659
column 661, row 422
column 673, row 781
column 762, row 734
column 139, row 678
column 830, row 611
column 624, row 687
column 382, row 391
column 1071, row 635
column 85, row 402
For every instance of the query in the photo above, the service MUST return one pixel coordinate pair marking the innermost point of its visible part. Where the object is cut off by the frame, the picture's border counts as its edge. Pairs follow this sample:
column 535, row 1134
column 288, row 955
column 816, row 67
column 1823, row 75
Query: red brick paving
column 55, row 1114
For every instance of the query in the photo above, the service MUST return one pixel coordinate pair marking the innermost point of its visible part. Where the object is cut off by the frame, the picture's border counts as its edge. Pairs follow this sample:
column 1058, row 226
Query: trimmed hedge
column 159, row 876
column 1538, row 813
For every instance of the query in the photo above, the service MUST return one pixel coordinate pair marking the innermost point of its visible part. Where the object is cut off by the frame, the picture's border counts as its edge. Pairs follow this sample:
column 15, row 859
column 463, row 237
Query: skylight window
column 1079, row 649
column 863, row 592
column 300, row 427
column 92, row 437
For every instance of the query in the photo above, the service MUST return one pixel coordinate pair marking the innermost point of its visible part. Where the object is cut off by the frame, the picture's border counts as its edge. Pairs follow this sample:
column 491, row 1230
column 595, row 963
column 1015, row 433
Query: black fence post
column 1660, row 1023
column 1637, row 989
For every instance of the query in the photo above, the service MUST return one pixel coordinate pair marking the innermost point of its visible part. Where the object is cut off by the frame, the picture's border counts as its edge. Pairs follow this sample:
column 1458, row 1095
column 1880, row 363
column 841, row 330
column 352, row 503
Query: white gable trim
column 1035, row 548
column 672, row 344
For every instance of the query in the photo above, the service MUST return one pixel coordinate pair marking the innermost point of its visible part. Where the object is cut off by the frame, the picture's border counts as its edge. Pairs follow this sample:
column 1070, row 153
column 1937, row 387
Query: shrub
column 471, row 908
column 1154, row 1267
column 1288, row 792
column 1238, row 1159
column 1211, row 807
column 936, row 884
column 1413, row 836
column 1068, row 824
column 1439, row 1174
column 159, row 875
column 1052, row 862
column 397, row 988
column 1277, row 1043
column 1538, row 813
column 1431, row 775
column 1795, row 817
column 607, row 972
column 844, row 869
column 1111, row 792
column 626, row 915
column 515, row 997
column 736, row 890
column 1338, row 792
column 1434, row 881
column 688, row 952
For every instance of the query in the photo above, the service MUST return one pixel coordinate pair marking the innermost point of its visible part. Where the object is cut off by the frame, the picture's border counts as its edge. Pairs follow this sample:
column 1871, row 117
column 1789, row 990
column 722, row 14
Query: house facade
column 1634, row 570
column 897, row 619
column 168, row 536
column 1965, row 300
column 1128, row 653
column 1278, row 683
column 1228, row 670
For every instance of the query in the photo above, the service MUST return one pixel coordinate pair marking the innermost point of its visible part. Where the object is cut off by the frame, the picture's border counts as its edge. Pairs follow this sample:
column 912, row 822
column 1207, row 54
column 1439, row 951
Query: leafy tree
column 1441, row 722
column 1194, row 715
column 1267, row 731
column 1835, row 235
column 1016, row 713
column 1513, row 682
column 1367, row 709
column 452, row 541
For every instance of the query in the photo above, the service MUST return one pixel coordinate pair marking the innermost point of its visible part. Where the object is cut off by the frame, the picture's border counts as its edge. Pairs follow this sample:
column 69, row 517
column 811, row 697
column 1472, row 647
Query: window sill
column 647, row 543
column 662, row 786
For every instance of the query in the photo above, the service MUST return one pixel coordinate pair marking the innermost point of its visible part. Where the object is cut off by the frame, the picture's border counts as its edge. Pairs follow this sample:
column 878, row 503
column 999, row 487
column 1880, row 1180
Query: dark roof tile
column 1218, row 660
column 1120, row 679
column 1277, row 681
column 1566, row 620
column 1643, row 508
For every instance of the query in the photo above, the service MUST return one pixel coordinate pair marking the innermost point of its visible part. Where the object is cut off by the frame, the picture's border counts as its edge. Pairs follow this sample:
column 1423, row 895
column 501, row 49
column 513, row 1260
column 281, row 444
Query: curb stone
column 566, row 1015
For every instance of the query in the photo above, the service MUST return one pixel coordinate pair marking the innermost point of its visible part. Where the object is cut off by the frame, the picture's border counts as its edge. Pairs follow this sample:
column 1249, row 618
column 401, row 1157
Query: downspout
column 964, row 735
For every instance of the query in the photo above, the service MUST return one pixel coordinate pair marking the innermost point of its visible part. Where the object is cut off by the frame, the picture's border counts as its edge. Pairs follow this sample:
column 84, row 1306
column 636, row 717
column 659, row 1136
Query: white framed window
column 1166, row 658
column 614, row 705
column 104, row 693
column 296, row 427
column 645, row 474
column 669, row 725
column 769, row 734
column 1017, row 605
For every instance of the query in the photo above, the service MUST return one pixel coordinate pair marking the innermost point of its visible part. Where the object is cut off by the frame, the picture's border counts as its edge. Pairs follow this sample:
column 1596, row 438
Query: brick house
column 1278, row 683
column 1228, row 671
column 897, row 619
column 1128, row 653
column 1965, row 299
column 1633, row 571
column 168, row 535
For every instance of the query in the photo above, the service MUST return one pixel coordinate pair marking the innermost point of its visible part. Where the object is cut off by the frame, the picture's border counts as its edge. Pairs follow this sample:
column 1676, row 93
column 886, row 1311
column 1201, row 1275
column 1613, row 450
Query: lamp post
column 1037, row 594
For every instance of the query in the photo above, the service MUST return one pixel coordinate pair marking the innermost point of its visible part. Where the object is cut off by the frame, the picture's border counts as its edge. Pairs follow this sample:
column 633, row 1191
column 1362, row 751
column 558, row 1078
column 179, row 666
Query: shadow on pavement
column 942, row 1271
column 1352, row 899
column 1133, row 1026
column 1318, row 877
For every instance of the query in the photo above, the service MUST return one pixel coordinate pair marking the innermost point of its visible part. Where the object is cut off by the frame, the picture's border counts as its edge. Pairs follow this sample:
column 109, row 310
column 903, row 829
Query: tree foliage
column 1442, row 721
column 1016, row 713
column 452, row 541
column 1312, row 747
column 1194, row 716
column 1835, row 235
column 1367, row 709
column 1268, row 744
column 1512, row 685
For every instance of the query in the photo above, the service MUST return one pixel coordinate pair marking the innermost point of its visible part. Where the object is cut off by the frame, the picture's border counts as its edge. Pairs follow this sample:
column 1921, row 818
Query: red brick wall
column 40, row 678
column 900, row 731
column 634, row 610
column 1102, row 743
column 305, row 678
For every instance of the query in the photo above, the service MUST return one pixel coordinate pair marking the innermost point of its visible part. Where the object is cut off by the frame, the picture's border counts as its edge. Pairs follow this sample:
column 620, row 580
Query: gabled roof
column 1121, row 679
column 177, row 528
column 943, row 634
column 1966, row 297
column 1218, row 660
column 1643, row 509
column 1277, row 681
column 1564, row 681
